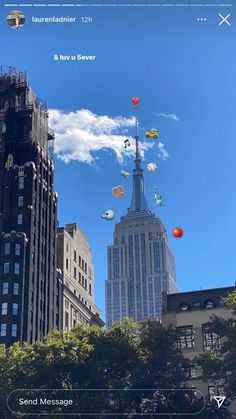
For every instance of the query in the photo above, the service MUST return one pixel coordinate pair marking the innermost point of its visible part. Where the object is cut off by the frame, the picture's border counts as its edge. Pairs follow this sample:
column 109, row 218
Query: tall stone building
column 77, row 278
column 190, row 313
column 28, row 214
column 141, row 264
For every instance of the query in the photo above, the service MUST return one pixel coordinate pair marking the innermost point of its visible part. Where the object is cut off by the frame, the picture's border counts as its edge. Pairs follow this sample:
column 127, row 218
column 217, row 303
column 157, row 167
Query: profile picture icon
column 16, row 19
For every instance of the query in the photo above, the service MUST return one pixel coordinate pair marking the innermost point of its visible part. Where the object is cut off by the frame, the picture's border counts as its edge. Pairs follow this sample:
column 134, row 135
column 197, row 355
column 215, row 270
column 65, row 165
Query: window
column 6, row 267
column 90, row 289
column 4, row 309
column 211, row 341
column 184, row 307
column 14, row 330
column 67, row 263
column 67, row 247
column 14, row 309
column 17, row 249
column 220, row 390
column 79, row 260
column 196, row 305
column 209, row 304
column 67, row 303
column 5, row 288
column 74, row 272
column 211, row 392
column 7, row 248
column 193, row 371
column 79, row 277
column 185, row 337
column 3, row 329
column 16, row 288
column 19, row 219
column 75, row 255
column 20, row 201
column 21, row 182
column 16, row 268
column 67, row 320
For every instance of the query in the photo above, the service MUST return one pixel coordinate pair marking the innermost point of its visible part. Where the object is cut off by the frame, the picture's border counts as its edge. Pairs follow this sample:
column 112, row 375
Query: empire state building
column 141, row 264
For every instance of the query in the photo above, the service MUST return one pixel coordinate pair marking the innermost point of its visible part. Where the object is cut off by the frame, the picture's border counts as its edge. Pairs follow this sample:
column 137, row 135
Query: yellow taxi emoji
column 152, row 133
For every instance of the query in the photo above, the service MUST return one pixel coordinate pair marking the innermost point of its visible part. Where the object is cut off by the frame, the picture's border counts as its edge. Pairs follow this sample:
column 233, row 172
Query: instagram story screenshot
column 117, row 209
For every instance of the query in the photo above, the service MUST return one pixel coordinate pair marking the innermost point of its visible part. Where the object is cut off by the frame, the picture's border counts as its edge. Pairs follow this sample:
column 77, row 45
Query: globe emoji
column 152, row 167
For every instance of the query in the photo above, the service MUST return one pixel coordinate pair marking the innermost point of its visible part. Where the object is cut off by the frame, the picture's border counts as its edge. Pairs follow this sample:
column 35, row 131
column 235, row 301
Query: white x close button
column 224, row 19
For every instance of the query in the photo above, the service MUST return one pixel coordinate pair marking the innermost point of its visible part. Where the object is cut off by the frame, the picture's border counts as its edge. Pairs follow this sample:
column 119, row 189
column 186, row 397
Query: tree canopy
column 128, row 356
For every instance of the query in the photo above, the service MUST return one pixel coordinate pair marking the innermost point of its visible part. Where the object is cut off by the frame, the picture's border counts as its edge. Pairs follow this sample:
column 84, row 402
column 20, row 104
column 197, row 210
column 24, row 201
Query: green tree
column 128, row 356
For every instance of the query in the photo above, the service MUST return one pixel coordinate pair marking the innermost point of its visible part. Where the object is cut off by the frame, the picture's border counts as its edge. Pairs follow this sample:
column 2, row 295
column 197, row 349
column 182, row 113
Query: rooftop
column 197, row 300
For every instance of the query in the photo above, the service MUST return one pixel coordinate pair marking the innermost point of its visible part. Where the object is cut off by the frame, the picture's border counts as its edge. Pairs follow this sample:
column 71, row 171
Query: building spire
column 138, row 202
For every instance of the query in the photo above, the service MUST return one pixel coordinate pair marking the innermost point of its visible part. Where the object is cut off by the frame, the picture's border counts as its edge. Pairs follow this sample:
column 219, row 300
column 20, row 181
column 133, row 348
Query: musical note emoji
column 127, row 143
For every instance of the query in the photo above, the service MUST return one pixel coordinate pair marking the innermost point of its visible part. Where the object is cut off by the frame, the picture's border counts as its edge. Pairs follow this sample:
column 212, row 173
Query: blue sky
column 176, row 65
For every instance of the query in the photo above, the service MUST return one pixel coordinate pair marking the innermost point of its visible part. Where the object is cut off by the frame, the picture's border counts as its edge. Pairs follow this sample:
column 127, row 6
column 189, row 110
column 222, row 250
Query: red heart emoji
column 135, row 100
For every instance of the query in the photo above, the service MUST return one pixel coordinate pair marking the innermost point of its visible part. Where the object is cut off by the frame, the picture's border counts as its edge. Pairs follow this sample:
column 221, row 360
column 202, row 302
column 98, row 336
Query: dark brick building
column 28, row 214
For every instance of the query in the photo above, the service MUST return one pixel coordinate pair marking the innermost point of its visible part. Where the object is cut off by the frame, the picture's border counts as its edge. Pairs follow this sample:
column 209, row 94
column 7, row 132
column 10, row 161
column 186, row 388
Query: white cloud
column 170, row 116
column 80, row 134
column 162, row 152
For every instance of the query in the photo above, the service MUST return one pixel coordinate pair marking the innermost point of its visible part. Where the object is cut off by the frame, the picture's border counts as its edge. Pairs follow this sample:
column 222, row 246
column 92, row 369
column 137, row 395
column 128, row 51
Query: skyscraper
column 28, row 214
column 74, row 260
column 140, row 262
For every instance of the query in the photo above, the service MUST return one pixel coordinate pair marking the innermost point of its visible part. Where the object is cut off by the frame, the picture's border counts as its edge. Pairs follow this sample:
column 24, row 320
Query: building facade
column 28, row 214
column 141, row 264
column 77, row 278
column 190, row 313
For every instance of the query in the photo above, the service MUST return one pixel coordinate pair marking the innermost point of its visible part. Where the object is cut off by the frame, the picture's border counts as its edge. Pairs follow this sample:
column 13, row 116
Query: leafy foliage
column 127, row 356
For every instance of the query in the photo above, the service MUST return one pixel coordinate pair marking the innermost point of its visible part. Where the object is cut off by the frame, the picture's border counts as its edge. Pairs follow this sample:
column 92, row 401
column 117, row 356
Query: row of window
column 151, row 236
column 82, row 264
column 186, row 338
column 5, row 288
column 7, row 249
column 215, row 390
column 5, row 309
column 3, row 330
column 82, row 280
column 198, row 305
column 6, row 268
column 67, row 304
column 20, row 197
column 78, row 318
